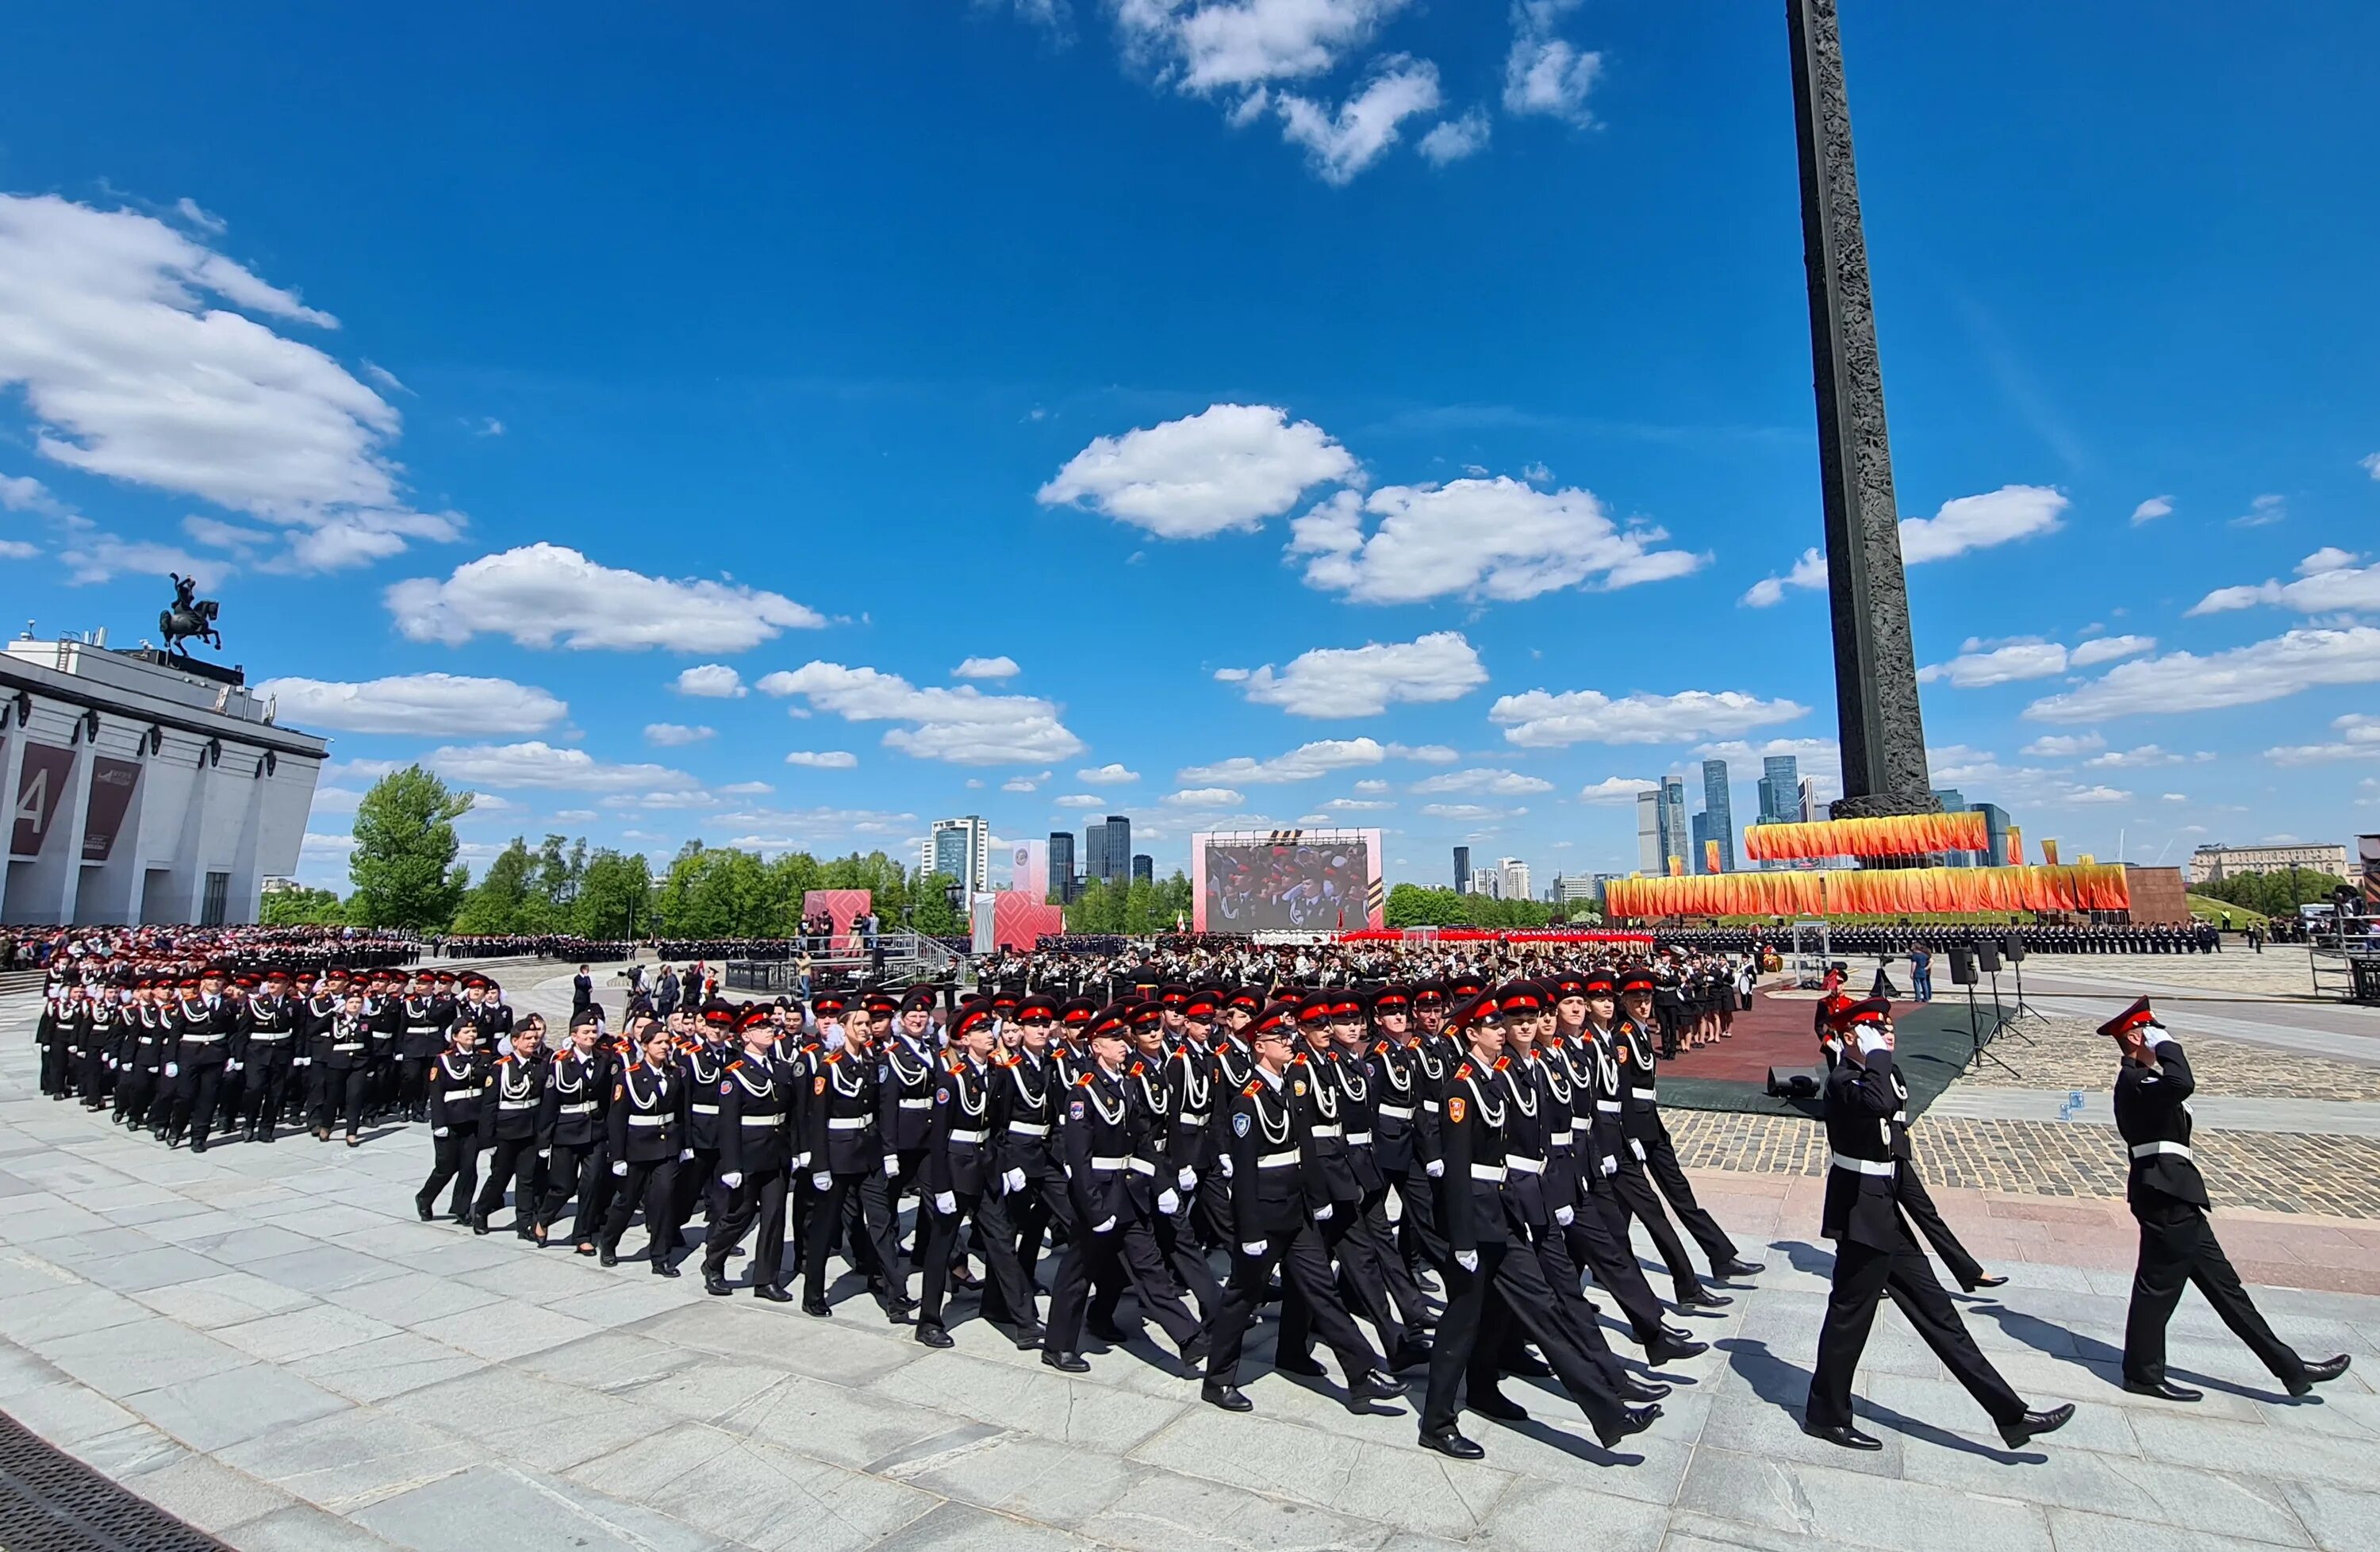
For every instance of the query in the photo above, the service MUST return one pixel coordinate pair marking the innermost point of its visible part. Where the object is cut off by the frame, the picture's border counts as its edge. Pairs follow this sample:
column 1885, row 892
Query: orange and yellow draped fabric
column 1894, row 835
column 1877, row 891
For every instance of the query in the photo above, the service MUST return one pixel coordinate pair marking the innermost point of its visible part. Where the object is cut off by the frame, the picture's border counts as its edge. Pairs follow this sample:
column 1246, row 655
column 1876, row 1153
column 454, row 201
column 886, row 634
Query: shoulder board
column 1463, row 1070
column 1299, row 1060
column 834, row 1056
column 1380, row 1049
column 1083, row 1082
column 1254, row 1089
column 1502, row 1062
column 1137, row 1069
column 735, row 1065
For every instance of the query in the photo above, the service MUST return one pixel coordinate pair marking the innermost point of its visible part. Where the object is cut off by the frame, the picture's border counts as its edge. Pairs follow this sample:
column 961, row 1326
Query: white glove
column 1563, row 1215
column 1168, row 1203
column 1187, row 1179
column 231, row 1066
column 1322, row 1213
column 546, row 1153
column 822, row 1182
column 1226, row 1162
column 1467, row 1259
column 1254, row 1247
column 1435, row 1169
column 1106, row 1227
column 684, row 1154
column 892, row 1165
column 732, row 1179
column 1013, row 1181
column 1611, row 1165
column 438, row 1130
column 301, row 1061
column 619, row 1166
column 801, row 1163
column 173, row 1069
column 946, row 1203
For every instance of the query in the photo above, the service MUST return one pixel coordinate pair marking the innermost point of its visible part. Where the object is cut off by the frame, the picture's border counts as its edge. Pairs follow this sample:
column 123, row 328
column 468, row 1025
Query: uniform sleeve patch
column 941, row 1097
column 1075, row 1110
column 1456, row 1109
column 818, row 1085
column 724, row 1087
column 1240, row 1123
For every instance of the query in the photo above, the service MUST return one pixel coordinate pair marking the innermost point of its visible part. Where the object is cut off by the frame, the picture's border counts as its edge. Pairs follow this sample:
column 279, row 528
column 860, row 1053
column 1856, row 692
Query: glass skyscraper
column 1677, row 841
column 1780, row 789
column 1718, row 809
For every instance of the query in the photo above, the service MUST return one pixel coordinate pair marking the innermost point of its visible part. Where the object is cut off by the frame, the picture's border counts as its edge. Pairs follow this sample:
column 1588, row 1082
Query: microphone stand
column 1982, row 1053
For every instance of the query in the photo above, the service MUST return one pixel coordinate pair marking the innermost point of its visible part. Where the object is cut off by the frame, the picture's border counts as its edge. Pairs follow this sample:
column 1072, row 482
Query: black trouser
column 1597, row 1237
column 653, row 1185
column 578, row 1168
column 1661, row 1165
column 1126, row 1253
column 1481, row 1309
column 268, row 1077
column 1552, row 1247
column 1638, row 1200
column 1310, row 1295
column 1360, row 1287
column 759, row 1202
column 196, row 1093
column 874, row 1243
column 1043, row 1201
column 457, row 1158
column 2178, row 1248
column 909, row 1165
column 136, row 1089
column 1186, row 1258
column 1418, row 1238
column 413, row 1083
column 1922, row 1216
column 56, row 1062
column 995, row 1239
column 96, row 1076
column 699, row 1179
column 513, row 1161
column 1862, row 1275
column 341, row 1094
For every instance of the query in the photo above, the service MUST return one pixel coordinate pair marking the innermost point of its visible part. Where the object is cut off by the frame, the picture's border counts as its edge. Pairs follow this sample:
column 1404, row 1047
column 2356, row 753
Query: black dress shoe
column 1303, row 1367
column 1843, row 1433
column 1737, row 1267
column 2317, row 1374
column 585, row 1249
column 2165, row 1390
column 1411, row 1355
column 2014, row 1435
column 1987, row 1280
column 1064, row 1362
column 1497, row 1408
column 1528, row 1365
column 1228, row 1397
column 1027, row 1338
column 1635, row 1420
column 930, row 1334
column 479, row 1223
column 423, row 1208
column 1674, row 1349
column 607, row 1257
column 1642, row 1390
column 663, row 1269
column 817, row 1307
column 1703, row 1298
column 716, row 1286
column 1194, row 1352
column 1109, row 1333
column 1452, row 1444
column 897, row 1311
column 771, row 1293
column 1374, row 1385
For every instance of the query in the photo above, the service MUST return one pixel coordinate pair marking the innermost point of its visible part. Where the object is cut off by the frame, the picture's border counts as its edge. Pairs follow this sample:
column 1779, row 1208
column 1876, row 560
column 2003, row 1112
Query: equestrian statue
column 191, row 618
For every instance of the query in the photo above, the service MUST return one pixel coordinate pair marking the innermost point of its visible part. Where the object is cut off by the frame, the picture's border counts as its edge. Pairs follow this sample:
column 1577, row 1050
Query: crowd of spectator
column 126, row 951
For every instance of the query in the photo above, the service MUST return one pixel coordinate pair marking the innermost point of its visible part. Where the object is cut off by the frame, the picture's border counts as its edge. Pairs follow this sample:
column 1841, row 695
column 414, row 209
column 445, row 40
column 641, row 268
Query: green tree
column 715, row 893
column 615, row 894
column 505, row 898
column 402, row 865
column 302, row 907
column 933, row 916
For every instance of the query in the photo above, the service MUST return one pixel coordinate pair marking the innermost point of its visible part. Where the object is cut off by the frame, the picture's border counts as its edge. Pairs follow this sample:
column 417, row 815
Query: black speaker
column 1987, row 957
column 1962, row 966
column 1796, row 1083
column 2013, row 948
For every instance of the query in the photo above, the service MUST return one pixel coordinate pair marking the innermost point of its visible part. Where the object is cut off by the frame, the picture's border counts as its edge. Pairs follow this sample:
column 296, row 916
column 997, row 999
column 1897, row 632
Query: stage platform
column 1933, row 1043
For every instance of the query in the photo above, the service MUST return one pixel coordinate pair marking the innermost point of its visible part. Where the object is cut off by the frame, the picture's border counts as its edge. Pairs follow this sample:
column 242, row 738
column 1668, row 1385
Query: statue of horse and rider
column 191, row 618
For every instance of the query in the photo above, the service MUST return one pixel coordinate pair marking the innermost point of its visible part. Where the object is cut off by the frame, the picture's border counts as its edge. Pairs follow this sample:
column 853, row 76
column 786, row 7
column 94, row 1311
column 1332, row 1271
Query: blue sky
column 1391, row 412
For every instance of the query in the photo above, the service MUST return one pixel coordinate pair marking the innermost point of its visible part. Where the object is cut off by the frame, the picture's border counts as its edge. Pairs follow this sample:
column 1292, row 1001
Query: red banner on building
column 113, row 782
column 41, row 789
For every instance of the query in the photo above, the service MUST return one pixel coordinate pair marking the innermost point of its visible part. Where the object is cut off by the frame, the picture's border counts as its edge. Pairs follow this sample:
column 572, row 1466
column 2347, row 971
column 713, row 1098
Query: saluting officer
column 755, row 1156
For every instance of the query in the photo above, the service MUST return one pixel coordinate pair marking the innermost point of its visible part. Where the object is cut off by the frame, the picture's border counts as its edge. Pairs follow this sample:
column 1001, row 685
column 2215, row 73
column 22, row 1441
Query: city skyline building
column 961, row 849
column 1512, row 878
column 1107, row 850
column 1676, row 838
column 1463, row 870
column 1649, row 830
column 1062, row 867
column 1488, row 882
column 1144, row 868
column 1780, row 789
column 1718, row 805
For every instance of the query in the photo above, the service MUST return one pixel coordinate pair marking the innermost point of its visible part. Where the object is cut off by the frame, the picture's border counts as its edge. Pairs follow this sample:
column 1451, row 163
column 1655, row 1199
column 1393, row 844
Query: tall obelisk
column 1876, row 669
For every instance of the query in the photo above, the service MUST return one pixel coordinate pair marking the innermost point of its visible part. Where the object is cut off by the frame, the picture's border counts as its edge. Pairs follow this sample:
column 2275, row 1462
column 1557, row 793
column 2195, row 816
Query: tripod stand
column 1983, row 1052
column 2023, row 1010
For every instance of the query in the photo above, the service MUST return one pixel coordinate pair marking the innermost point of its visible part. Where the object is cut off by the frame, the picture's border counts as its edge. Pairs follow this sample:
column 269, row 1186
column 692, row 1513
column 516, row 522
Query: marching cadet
column 211, row 1032
column 1111, row 1237
column 963, row 1144
column 145, row 1057
column 756, row 1153
column 2168, row 1198
column 343, row 1053
column 577, row 1082
column 705, row 1061
column 1490, row 1283
column 1649, row 1141
column 1379, row 1262
column 1032, row 1179
column 847, row 1168
column 423, row 1020
column 1875, row 1254
column 1908, row 1190
column 1630, row 1041
column 102, row 1035
column 905, row 1099
column 457, row 1086
column 1399, row 1090
column 1280, row 1205
column 511, row 1125
column 271, row 1044
column 316, row 1014
column 1151, row 1081
column 647, row 1125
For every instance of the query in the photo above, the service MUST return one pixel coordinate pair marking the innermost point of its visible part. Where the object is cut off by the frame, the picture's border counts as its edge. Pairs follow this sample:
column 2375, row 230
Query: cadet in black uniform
column 272, row 1040
column 1649, row 1139
column 2177, row 1246
column 647, row 1122
column 578, row 1083
column 756, row 1155
column 423, row 1020
column 212, row 1029
column 847, row 1163
column 457, row 1083
column 963, row 1147
column 1875, row 1254
column 512, row 1127
column 703, row 1064
column 910, row 1065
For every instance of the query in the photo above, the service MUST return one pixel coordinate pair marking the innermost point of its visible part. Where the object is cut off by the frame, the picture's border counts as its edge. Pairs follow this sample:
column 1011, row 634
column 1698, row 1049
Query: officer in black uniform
column 457, row 1086
column 578, row 1083
column 2168, row 1198
column 1648, row 1140
column 210, row 1037
column 963, row 1144
column 1876, row 1255
column 906, row 1097
column 704, row 1063
column 646, row 1121
column 756, row 1135
column 1033, row 1179
column 423, row 1019
column 272, row 1040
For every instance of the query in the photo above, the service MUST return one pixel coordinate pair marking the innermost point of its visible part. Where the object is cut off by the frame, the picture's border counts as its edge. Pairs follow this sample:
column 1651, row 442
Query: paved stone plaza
column 265, row 1341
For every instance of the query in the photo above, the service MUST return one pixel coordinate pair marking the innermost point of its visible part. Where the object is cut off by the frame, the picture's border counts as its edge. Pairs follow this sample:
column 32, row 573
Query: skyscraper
column 1062, row 867
column 1719, row 807
column 1780, row 789
column 1144, row 868
column 1487, row 882
column 1463, row 870
column 1675, row 837
column 1811, row 808
column 1512, row 881
column 1701, row 823
column 1107, row 850
column 1648, row 832
column 961, row 849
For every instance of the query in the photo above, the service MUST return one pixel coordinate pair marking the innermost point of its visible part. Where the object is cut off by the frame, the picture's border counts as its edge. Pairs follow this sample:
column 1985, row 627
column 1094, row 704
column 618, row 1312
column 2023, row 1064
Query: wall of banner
column 1879, row 891
column 1894, row 835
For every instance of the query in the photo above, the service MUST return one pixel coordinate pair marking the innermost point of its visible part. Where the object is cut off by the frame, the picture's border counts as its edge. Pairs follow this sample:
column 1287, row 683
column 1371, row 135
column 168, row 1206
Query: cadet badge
column 818, row 1085
column 1240, row 1124
column 619, row 1090
column 723, row 1086
column 1456, row 1109
column 1075, row 1110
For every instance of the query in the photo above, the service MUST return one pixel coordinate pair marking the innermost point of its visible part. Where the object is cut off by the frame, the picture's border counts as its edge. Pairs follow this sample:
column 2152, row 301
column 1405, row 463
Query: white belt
column 914, row 1104
column 355, row 1046
column 1107, row 1163
column 1330, row 1131
column 648, row 1121
column 1027, row 1129
column 975, row 1137
column 1141, row 1166
column 1359, row 1139
column 272, row 1040
column 1560, row 1139
column 1902, row 1117
column 1644, row 1094
column 1610, row 1107
column 204, row 1039
column 765, row 1118
column 1492, row 1173
column 584, row 1107
column 704, row 1109
column 1430, row 1105
column 2144, row 1150
column 848, row 1123
column 1861, row 1166
column 1524, row 1165
column 1276, row 1160
column 1192, row 1118
column 455, row 1094
column 1395, row 1112
column 516, row 1104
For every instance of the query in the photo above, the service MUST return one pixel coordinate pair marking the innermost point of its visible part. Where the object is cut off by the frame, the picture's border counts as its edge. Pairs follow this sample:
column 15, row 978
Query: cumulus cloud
column 1544, row 73
column 1365, row 681
column 1543, row 720
column 1824, row 751
column 1205, row 797
column 1976, row 667
column 1482, row 779
column 2001, row 517
column 1228, row 466
column 2108, row 648
column 2370, row 464
column 960, row 725
column 1342, row 142
column 538, row 764
column 987, row 668
column 674, row 735
column 2262, row 671
column 2328, row 581
column 2263, row 513
column 2152, row 509
column 545, row 595
column 435, row 704
column 1455, row 138
column 1809, row 572
column 2142, row 759
column 1080, row 800
column 1494, row 539
column 1108, row 774
column 710, row 681
column 2062, row 745
column 823, row 759
column 2359, row 738
column 145, row 355
column 1301, row 764
column 1616, row 790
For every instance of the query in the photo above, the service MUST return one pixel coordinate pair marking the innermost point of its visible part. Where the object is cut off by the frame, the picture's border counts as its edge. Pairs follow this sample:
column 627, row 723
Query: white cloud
column 1228, row 466
column 101, row 557
column 2328, row 582
column 442, row 705
column 1205, row 797
column 961, row 725
column 2370, row 464
column 359, row 770
column 1365, row 681
column 2142, row 759
column 1301, row 764
column 1024, row 784
column 711, row 681
column 2061, row 745
column 2108, row 649
column 1480, row 779
column 540, row 764
column 2030, row 658
column 339, row 800
column 2173, row 798
column 2261, row 670
column 2359, row 738
column 2000, row 516
column 2263, row 513
column 1079, row 800
column 1453, row 140
column 1467, row 811
column 1822, row 749
column 784, row 830
column 672, row 735
column 987, row 668
column 1500, row 540
column 2152, row 509
column 1357, row 805
column 823, row 759
column 1542, row 719
column 542, row 595
column 1616, row 790
column 1343, row 142
column 746, row 788
column 1110, row 774
column 204, row 220
column 1809, row 572
column 1427, row 754
column 1543, row 74
column 148, row 356
column 1371, row 785
column 2080, row 795
column 1229, row 45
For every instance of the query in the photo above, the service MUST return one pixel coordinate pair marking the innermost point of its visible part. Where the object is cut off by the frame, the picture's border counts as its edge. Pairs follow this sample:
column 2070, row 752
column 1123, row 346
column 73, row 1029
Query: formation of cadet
column 225, row 1051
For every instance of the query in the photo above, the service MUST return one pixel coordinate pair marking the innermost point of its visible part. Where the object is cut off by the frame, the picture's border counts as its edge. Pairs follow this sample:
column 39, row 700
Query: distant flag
column 2016, row 846
column 2049, row 854
column 1677, row 867
column 1710, row 856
